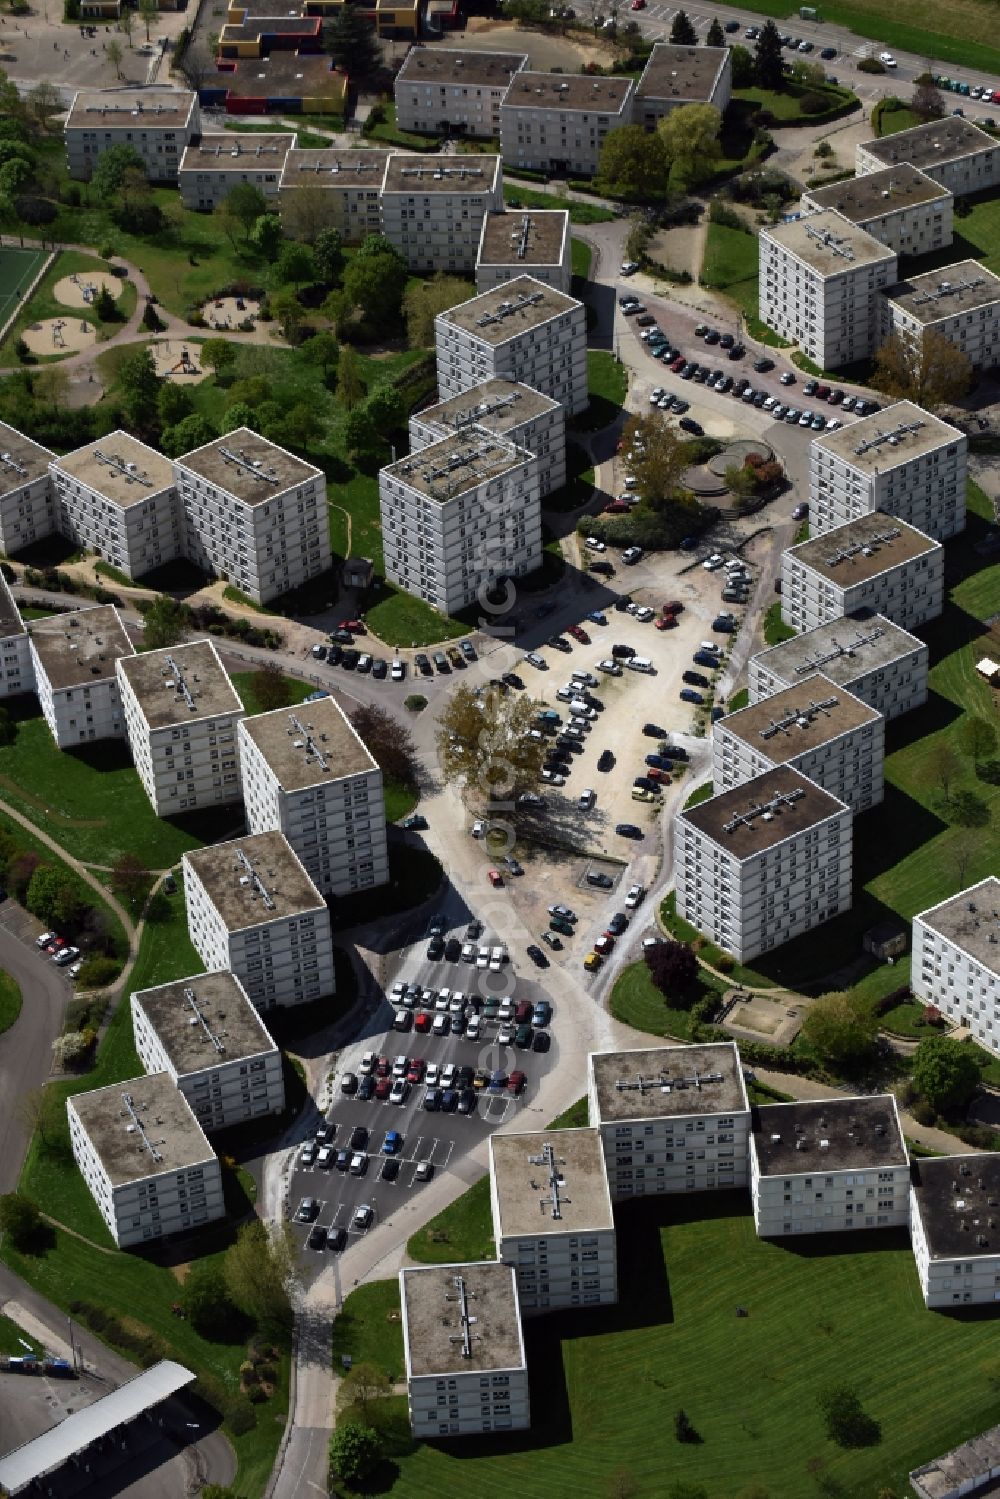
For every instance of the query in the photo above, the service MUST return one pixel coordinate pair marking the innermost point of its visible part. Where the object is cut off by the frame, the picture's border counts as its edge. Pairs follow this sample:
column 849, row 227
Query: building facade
column 156, row 122
column 332, row 189
column 433, row 207
column 953, row 1229
column 953, row 151
column 557, row 122
column 900, row 206
column 535, row 241
column 675, row 76
column 865, row 653
column 962, row 306
column 17, row 673
column 27, row 508
column 523, row 416
column 74, row 658
column 956, row 960
column 117, row 497
column 874, row 562
column 216, row 163
column 450, row 90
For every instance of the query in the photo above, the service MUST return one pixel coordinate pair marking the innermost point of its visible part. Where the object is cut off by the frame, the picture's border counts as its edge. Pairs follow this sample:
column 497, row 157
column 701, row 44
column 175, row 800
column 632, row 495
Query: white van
column 639, row 663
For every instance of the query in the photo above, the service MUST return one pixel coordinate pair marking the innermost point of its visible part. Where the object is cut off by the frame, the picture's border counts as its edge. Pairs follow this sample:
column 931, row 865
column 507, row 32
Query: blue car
column 597, row 618
column 393, row 1142
column 688, row 695
column 659, row 762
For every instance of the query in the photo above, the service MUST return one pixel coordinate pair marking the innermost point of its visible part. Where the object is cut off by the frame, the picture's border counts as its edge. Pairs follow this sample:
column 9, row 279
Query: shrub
column 683, row 1429
column 20, row 1220
column 98, row 971
column 72, row 1050
column 416, row 702
column 870, row 65
column 823, row 149
column 813, row 104
column 720, row 213
column 22, row 352
column 238, row 1414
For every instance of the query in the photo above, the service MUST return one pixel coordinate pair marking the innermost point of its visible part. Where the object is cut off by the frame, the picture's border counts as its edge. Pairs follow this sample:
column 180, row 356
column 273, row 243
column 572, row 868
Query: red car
column 516, row 1082
column 638, row 4
column 678, row 363
column 666, row 622
column 56, row 946
column 415, row 1071
column 652, row 774
column 673, row 606
column 604, row 944
column 382, row 1067
column 383, row 1088
column 354, row 625
column 495, row 878
column 522, row 1012
column 579, row 634
column 616, row 507
column 422, row 1022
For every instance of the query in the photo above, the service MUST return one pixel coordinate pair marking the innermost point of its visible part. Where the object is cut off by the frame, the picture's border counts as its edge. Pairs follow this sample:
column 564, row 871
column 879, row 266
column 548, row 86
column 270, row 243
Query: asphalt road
column 26, row 1049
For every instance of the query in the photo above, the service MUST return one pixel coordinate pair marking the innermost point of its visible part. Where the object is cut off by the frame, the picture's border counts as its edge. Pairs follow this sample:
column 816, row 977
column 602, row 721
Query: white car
column 594, row 545
column 478, row 830
column 634, row 896
column 833, row 424
column 586, row 800
column 483, row 958
column 400, row 1065
column 400, row 1091
column 367, row 1064
column 505, row 1035
column 611, row 667
column 643, row 614
column 448, row 1075
column 629, row 267
column 363, row 1217
column 397, row 992
column 432, row 1077
column 631, row 555
column 66, row 955
column 397, row 671
column 442, row 1025
column 424, row 1171
column 657, row 394
column 786, row 379
column 74, row 971
column 887, row 60
column 713, row 563
column 473, row 1028
column 551, row 778
column 506, row 1010
column 45, row 939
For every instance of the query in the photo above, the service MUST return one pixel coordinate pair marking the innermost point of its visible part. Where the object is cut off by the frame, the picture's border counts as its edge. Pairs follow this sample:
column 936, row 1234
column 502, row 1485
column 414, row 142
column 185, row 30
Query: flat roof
column 309, row 745
column 433, row 1328
column 289, row 74
column 11, row 622
column 674, row 72
column 895, row 435
column 118, row 467
column 460, row 66
column 254, row 880
column 959, row 1201
column 879, row 193
column 181, row 684
column 254, row 27
column 498, row 405
column 330, row 167
column 570, row 91
column 248, row 466
column 828, row 242
column 170, row 1137
column 190, row 1015
column 524, row 236
column 538, row 1196
column 970, row 920
column 749, row 819
column 228, row 151
column 789, row 1137
column 799, row 718
column 668, row 1082
column 930, row 144
column 944, row 293
column 130, row 108
column 842, row 649
column 863, row 548
column 965, row 1469
column 21, row 460
column 505, row 311
column 458, row 463
column 33, row 1460
column 441, row 174
column 81, row 647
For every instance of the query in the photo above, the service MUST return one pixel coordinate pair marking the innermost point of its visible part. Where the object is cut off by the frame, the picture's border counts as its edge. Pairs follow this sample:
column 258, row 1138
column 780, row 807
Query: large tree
column 350, row 39
column 259, row 1270
column 20, row 1220
column 109, row 173
column 485, row 742
column 354, row 1450
column 328, row 254
column 930, row 371
column 307, row 212
column 245, row 203
column 130, row 879
column 842, row 1030
column 927, row 102
column 375, row 281
column 206, row 1301
column 663, row 459
column 673, row 968
column 945, row 1072
column 390, row 742
column 633, row 162
column 270, row 687
column 190, row 432
column 690, row 137
column 139, row 389
column 769, row 66
column 164, row 623
column 715, row 36
column 423, row 300
column 220, row 355
column 978, row 738
column 295, row 265
column 682, row 32
column 363, row 1391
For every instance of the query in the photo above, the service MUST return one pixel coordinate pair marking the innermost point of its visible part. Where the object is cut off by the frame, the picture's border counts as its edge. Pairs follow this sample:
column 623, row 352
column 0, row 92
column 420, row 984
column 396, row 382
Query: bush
column 256, row 1395
column 870, row 65
column 719, row 213
column 238, row 1414
column 813, row 104
column 72, row 1051
column 416, row 702
column 823, row 150
column 20, row 1220
column 98, row 971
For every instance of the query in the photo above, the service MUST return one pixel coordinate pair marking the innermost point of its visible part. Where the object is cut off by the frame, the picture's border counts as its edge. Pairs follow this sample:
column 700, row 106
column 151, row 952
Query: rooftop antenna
column 192, row 999
column 801, row 716
column 466, row 1318
column 881, row 538
column 252, row 466
column 180, row 683
column 830, row 241
column 256, row 880
column 666, row 1083
column 765, row 810
column 893, row 437
column 311, row 747
column 816, row 663
column 548, row 1159
column 130, row 472
column 7, row 460
column 130, row 1109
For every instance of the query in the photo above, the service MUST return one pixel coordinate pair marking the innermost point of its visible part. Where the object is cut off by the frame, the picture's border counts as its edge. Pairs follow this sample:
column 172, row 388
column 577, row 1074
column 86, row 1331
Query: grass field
column 636, row 1000
column 464, row 1231
column 243, row 682
column 891, row 121
column 519, row 196
column 786, row 104
column 730, row 257
column 17, row 270
column 775, row 629
column 607, row 383
column 582, row 255
column 947, row 35
column 10, row 1001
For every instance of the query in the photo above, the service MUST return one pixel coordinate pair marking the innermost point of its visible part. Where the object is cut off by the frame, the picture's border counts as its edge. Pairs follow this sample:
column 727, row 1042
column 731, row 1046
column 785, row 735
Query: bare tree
column 114, row 55
column 943, row 765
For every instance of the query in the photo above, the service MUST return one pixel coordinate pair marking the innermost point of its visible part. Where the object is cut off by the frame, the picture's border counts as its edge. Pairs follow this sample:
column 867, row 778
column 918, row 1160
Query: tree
column 485, row 742
column 846, row 1421
column 20, row 1220
column 240, row 414
column 270, row 687
column 360, row 435
column 943, row 765
column 386, row 409
column 266, row 235
column 663, row 458
column 220, row 355
column 295, row 265
column 742, row 62
column 190, row 432
column 307, row 212
column 390, row 742
column 130, row 879
column 148, row 12
column 350, row 39
column 682, row 32
column 196, row 63
column 423, row 300
column 43, row 102
column 977, row 738
column 633, row 162
column 363, row 1390
column 259, row 1270
column 173, row 403
column 246, row 204
column 114, row 55
column 289, row 312
column 929, row 370
column 105, row 305
column 945, row 1072
column 164, row 623
column 673, row 968
column 139, row 389
column 354, row 1450
column 109, row 173
column 328, row 254
column 126, row 21
column 350, row 386
column 769, row 67
column 302, row 425
column 927, row 102
column 375, row 280
column 715, row 36
column 690, row 138
column 42, row 895
column 41, row 1110
column 206, row 1301
column 842, row 1030
column 809, row 75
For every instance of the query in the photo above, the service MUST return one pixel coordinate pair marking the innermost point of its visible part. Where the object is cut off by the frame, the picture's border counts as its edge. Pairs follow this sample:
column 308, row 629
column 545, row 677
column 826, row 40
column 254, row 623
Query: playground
column 59, row 336
column 83, row 289
column 232, row 314
column 18, row 268
column 179, row 360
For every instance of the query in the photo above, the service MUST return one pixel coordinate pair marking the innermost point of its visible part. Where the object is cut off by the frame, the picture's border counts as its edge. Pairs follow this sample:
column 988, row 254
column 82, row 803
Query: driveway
column 26, row 1049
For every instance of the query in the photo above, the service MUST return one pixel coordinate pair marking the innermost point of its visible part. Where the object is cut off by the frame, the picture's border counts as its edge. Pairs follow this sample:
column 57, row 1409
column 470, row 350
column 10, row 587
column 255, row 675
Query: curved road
column 26, row 1049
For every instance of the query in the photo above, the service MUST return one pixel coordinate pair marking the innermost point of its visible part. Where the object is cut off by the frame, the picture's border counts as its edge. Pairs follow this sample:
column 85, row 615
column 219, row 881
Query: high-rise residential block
column 956, row 960
column 900, row 206
column 678, row 75
column 17, row 672
column 27, row 508
column 865, row 653
column 156, row 122
column 956, row 1245
column 873, row 562
column 954, row 151
column 532, row 421
column 117, row 497
column 535, row 241
column 960, row 302
column 433, row 207
column 558, row 122
column 74, row 658
column 216, row 163
column 454, row 90
column 333, row 188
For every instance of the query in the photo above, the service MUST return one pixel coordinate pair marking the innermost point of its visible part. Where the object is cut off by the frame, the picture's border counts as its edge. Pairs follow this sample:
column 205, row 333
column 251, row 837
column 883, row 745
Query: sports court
column 18, row 269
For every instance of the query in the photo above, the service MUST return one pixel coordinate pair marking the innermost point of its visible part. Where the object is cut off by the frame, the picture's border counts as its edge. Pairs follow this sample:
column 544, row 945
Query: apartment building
column 466, row 1368
column 73, row 657
column 342, row 189
column 307, row 774
column 557, row 122
column 865, row 654
column 27, row 509
column 454, row 91
column 873, row 562
column 961, row 302
column 214, row 164
column 521, row 331
column 535, row 241
column 818, row 729
column 459, row 516
column 675, row 76
column 903, row 461
column 17, row 673
column 827, row 1166
column 970, row 1468
column 254, row 514
column 145, row 1159
column 552, row 1218
column 820, row 280
column 181, row 712
column 671, row 1118
column 206, row 1035
column 117, row 497
column 433, row 207
column 763, row 862
column 523, row 416
column 954, row 1213
column 253, row 910
column 900, row 206
column 956, row 960
column 953, row 151
column 156, row 122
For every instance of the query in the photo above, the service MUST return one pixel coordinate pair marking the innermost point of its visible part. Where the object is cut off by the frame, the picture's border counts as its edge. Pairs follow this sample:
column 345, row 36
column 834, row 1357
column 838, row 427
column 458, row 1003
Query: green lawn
column 400, row 800
column 399, row 619
column 516, row 195
column 786, row 105
column 17, row 270
column 730, row 257
column 464, row 1231
column 243, row 682
column 10, row 1001
column 44, row 304
column 775, row 629
column 607, row 384
column 636, row 1000
column 388, row 133
column 10, row 1339
column 891, row 121
column 739, row 700
column 700, row 794
column 369, row 1328
column 582, row 255
column 922, row 27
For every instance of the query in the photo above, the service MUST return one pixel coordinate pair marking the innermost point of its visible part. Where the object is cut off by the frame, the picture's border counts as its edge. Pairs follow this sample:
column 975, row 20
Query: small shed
column 989, row 670
column 357, row 572
column 887, row 939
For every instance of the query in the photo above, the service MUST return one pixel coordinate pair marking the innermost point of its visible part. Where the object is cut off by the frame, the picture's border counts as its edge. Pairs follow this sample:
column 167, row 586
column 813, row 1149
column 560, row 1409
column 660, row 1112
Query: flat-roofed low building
column 308, row 774
column 671, row 1118
column 74, row 658
column 282, row 83
column 145, row 1159
column 207, row 1036
column 955, row 152
column 558, row 122
column 971, row 1468
column 519, row 240
column 904, row 461
column 17, row 673
column 332, row 188
column 433, row 207
column 955, row 1229
column 117, row 497
column 460, row 515
column 873, row 562
column 677, row 75
column 763, row 862
column 818, row 728
column 454, row 90
column 524, row 416
column 181, row 711
column 828, row 1165
column 956, row 960
column 552, row 1218
column 27, row 508
column 961, row 302
column 819, row 282
column 259, row 36
column 522, row 331
column 466, row 1368
column 900, row 206
column 216, row 163
column 252, row 909
column 865, row 653
column 156, row 122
